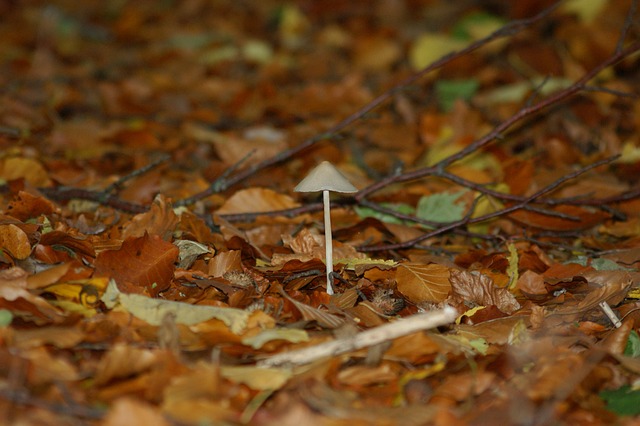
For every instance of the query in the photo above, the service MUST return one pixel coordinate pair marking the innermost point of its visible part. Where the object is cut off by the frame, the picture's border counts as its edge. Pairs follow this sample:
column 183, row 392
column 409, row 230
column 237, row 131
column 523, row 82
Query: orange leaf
column 587, row 218
column 423, row 283
column 24, row 168
column 15, row 241
column 79, row 245
column 255, row 200
column 26, row 206
column 146, row 262
column 159, row 220
column 531, row 283
column 224, row 262
column 15, row 298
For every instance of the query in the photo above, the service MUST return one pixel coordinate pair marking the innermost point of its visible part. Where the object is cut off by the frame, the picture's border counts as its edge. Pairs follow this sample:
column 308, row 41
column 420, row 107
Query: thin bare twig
column 523, row 113
column 467, row 221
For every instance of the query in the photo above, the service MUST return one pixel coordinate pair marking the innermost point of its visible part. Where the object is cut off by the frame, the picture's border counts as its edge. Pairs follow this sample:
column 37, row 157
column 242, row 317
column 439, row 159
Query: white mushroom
column 325, row 177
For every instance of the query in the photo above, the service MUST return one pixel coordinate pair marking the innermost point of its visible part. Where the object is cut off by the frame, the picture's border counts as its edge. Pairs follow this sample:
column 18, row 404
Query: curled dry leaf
column 15, row 298
column 26, row 206
column 423, row 283
column 15, row 241
column 478, row 289
column 159, row 220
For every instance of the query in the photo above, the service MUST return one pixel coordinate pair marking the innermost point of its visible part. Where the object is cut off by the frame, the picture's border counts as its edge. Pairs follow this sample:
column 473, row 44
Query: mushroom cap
column 325, row 177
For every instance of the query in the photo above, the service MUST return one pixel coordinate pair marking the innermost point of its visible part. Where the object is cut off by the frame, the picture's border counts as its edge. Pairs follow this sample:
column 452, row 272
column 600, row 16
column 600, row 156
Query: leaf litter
column 157, row 267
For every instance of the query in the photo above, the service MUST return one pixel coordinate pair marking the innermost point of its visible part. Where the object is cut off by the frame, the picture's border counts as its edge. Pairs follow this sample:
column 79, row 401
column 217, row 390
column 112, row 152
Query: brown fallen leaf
column 15, row 298
column 25, row 206
column 224, row 262
column 423, row 283
column 531, row 283
column 159, row 220
column 478, row 289
column 15, row 241
column 123, row 361
column 256, row 200
column 127, row 410
column 142, row 265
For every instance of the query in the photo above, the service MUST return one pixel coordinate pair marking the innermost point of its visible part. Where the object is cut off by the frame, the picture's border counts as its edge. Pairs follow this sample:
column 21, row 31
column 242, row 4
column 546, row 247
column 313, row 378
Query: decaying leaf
column 154, row 310
column 189, row 252
column 15, row 298
column 310, row 313
column 159, row 220
column 478, row 289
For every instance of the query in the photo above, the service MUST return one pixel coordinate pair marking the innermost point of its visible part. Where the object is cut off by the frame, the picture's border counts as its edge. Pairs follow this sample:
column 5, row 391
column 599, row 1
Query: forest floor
column 157, row 266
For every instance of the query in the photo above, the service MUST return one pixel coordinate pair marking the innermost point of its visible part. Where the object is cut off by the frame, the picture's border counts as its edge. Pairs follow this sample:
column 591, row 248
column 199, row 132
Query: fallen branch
column 365, row 339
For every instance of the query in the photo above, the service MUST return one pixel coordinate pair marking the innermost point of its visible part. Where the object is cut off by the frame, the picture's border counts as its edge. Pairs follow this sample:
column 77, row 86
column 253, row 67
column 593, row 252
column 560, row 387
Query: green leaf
column 476, row 25
column 586, row 10
column 448, row 91
column 623, row 401
column 429, row 47
column 441, row 207
column 5, row 317
column 154, row 311
column 599, row 264
column 365, row 212
column 480, row 345
column 516, row 92
column 633, row 345
column 512, row 270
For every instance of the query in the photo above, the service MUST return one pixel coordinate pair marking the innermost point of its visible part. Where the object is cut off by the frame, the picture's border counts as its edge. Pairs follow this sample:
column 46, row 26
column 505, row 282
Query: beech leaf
column 257, row 378
column 423, row 283
column 146, row 263
column 154, row 311
column 479, row 289
column 256, row 200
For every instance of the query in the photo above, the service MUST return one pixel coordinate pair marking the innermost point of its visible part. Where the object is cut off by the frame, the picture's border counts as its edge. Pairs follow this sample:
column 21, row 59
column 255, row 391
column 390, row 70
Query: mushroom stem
column 328, row 240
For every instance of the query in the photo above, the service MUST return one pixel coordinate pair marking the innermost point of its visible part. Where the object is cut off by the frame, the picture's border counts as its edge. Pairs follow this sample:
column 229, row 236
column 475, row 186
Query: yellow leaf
column 352, row 262
column 257, row 378
column 469, row 313
column 86, row 292
column 586, row 10
column 29, row 169
column 430, row 47
column 512, row 270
